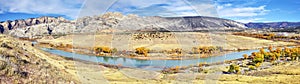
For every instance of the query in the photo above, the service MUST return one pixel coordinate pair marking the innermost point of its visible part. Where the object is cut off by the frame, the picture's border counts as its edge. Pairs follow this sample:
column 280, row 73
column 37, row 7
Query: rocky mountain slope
column 35, row 27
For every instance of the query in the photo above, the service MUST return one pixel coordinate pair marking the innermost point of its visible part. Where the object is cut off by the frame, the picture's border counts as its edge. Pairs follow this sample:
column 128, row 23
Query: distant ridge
column 274, row 25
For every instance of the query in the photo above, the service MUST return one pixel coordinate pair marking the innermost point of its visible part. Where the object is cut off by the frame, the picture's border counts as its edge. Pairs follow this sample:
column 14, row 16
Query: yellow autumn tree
column 142, row 51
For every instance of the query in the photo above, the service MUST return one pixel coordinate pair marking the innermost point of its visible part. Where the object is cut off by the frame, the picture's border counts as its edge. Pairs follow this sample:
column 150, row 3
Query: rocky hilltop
column 35, row 27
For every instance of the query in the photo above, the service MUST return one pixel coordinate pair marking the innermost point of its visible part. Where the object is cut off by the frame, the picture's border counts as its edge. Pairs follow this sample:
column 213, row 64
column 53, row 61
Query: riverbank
column 126, row 43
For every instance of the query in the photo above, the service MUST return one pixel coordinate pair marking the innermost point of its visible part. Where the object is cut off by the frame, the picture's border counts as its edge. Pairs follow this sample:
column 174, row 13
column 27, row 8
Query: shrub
column 142, row 51
column 103, row 49
column 245, row 56
column 234, row 68
column 114, row 50
column 251, row 67
column 206, row 49
column 174, row 52
column 257, row 64
column 69, row 46
column 3, row 65
column 258, row 57
column 202, row 64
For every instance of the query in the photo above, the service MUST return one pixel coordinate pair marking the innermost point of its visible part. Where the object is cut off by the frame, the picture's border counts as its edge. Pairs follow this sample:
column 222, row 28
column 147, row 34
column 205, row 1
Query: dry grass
column 182, row 40
column 23, row 63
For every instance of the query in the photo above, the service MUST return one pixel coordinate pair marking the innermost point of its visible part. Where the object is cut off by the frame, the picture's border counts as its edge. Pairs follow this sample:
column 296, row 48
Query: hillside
column 22, row 63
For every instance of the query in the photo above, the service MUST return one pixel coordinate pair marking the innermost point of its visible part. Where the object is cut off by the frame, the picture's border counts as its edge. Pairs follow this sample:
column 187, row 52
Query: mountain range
column 35, row 27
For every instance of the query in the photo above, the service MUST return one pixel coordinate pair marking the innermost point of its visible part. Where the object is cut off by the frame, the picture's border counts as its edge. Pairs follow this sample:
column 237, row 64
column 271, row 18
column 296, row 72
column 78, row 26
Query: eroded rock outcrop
column 10, row 25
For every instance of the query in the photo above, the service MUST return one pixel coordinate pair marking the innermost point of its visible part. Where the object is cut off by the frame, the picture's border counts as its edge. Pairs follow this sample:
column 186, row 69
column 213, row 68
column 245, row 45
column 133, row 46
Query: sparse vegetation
column 152, row 35
column 206, row 49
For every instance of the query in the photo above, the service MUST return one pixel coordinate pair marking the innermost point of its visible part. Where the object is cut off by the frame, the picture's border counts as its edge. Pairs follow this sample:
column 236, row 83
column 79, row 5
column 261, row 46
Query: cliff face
column 114, row 21
column 6, row 26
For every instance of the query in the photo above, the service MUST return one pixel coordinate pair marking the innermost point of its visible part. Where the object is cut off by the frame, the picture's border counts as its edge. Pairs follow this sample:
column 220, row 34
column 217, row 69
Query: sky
column 239, row 10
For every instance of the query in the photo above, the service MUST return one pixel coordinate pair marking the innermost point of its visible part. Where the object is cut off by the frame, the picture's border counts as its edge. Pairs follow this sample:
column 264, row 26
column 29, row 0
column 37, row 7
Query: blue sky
column 239, row 10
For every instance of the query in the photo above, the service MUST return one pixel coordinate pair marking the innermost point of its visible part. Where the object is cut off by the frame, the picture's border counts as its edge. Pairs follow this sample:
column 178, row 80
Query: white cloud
column 242, row 13
column 68, row 8
column 229, row 11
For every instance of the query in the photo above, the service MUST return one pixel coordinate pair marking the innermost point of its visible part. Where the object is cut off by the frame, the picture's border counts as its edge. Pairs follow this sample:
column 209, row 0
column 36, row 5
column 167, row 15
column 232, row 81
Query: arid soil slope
column 22, row 63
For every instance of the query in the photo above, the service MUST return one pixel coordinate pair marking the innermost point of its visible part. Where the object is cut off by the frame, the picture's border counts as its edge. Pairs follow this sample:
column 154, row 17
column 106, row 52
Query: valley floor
column 84, row 44
column 75, row 71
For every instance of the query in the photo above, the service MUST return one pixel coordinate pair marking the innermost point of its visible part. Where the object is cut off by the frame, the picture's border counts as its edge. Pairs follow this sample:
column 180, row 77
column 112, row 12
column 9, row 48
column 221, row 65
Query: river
column 148, row 64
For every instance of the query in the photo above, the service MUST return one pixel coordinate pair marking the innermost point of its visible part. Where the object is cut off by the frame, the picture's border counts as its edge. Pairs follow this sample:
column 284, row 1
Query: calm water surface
column 148, row 64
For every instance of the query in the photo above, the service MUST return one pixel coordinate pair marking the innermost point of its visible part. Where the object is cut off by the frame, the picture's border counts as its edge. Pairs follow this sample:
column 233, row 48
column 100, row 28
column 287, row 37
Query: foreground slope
column 22, row 63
